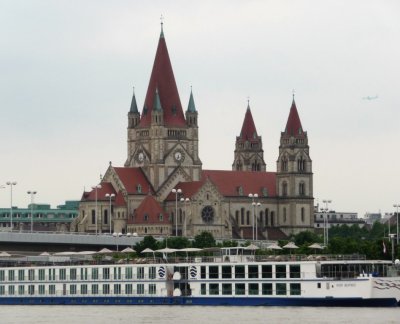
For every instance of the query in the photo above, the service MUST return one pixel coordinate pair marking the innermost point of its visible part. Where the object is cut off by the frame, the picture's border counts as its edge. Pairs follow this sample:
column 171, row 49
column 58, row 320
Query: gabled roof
column 248, row 131
column 162, row 78
column 149, row 212
column 106, row 188
column 293, row 125
column 229, row 182
column 132, row 178
column 119, row 200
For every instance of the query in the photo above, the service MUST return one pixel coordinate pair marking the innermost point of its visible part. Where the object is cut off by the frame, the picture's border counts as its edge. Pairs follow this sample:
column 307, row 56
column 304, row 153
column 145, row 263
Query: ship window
column 2, row 275
column 84, row 274
column 95, row 289
column 226, row 272
column 52, row 289
column 11, row 290
column 152, row 289
column 31, row 274
column 128, row 273
column 11, row 275
column 239, row 272
column 21, row 290
column 106, row 273
column 213, row 272
column 2, row 290
column 95, row 273
column 203, row 289
column 152, row 273
column 140, row 273
column 31, row 289
column 267, row 288
column 294, row 271
column 21, row 275
column 240, row 289
column 226, row 289
column 128, row 289
column 266, row 271
column 203, row 272
column 318, row 285
column 63, row 274
column 106, row 289
column 72, row 274
column 72, row 289
column 281, row 289
column 41, row 274
column 280, row 271
column 253, row 271
column 140, row 289
column 213, row 289
column 42, row 289
column 117, row 273
column 253, row 288
column 117, row 289
column 84, row 289
column 295, row 289
column 52, row 274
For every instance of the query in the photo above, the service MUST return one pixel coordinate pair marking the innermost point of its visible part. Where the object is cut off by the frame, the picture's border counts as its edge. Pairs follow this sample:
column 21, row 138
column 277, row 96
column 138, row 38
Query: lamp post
column 257, row 205
column 117, row 235
column 326, row 221
column 95, row 211
column 110, row 196
column 184, row 200
column 176, row 192
column 32, row 193
column 397, row 222
column 253, row 203
column 11, row 184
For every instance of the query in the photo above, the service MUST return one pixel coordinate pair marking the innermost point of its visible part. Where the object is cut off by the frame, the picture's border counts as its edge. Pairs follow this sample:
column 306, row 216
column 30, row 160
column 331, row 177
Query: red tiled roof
column 150, row 207
column 293, row 125
column 162, row 78
column 119, row 200
column 228, row 182
column 131, row 178
column 106, row 188
column 249, row 131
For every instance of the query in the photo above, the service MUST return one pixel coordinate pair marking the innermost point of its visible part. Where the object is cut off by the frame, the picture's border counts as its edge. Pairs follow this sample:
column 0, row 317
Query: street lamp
column 11, row 184
column 117, row 235
column 95, row 211
column 176, row 192
column 326, row 221
column 184, row 200
column 254, row 204
column 110, row 196
column 32, row 193
column 397, row 221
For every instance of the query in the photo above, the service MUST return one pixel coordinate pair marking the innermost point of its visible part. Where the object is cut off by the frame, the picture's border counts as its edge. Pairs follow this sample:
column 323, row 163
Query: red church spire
column 293, row 125
column 162, row 78
column 248, row 131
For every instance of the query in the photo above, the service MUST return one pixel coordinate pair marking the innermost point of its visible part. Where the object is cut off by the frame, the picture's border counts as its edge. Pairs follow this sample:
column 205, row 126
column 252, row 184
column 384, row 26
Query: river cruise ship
column 234, row 276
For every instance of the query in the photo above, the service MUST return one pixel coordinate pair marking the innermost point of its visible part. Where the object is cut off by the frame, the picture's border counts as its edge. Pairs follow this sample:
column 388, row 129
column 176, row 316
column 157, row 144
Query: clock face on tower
column 140, row 156
column 179, row 156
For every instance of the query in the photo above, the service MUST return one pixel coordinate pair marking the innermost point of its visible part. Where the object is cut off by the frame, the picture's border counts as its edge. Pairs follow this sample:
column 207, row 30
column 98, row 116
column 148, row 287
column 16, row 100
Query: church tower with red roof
column 249, row 154
column 294, row 175
column 161, row 141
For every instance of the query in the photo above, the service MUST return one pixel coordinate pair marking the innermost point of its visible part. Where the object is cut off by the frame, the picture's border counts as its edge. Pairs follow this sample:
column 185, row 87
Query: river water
column 194, row 314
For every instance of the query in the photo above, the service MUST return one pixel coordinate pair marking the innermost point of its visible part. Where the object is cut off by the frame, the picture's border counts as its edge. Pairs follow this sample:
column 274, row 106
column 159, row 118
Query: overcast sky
column 67, row 69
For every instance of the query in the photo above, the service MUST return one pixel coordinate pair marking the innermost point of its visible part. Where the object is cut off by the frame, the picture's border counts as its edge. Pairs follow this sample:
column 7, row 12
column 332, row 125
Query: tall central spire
column 248, row 131
column 162, row 78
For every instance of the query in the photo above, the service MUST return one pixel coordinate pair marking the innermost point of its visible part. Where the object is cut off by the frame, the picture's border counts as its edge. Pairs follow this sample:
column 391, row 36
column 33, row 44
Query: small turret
column 133, row 115
column 191, row 112
column 157, row 112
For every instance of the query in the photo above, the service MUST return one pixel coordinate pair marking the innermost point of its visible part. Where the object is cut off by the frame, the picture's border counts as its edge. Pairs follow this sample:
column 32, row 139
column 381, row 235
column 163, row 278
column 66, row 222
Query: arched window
column 180, row 215
column 284, row 189
column 303, row 214
column 302, row 188
column 237, row 217
column 272, row 219
column 242, row 216
column 262, row 221
column 301, row 164
column 266, row 216
column 93, row 216
column 105, row 216
column 284, row 164
column 284, row 214
column 248, row 218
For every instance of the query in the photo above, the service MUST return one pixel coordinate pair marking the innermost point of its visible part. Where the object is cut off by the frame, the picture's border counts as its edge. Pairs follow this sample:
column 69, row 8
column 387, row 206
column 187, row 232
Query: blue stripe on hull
column 204, row 301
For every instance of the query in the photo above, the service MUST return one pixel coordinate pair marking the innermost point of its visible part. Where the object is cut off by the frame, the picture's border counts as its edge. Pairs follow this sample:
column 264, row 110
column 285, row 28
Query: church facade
column 163, row 190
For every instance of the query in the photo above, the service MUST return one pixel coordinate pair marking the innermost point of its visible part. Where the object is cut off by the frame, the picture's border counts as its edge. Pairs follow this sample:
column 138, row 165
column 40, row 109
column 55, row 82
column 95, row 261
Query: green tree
column 148, row 242
column 204, row 240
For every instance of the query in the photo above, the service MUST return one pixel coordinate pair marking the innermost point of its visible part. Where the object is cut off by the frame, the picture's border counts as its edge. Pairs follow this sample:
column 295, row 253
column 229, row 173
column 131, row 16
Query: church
column 162, row 190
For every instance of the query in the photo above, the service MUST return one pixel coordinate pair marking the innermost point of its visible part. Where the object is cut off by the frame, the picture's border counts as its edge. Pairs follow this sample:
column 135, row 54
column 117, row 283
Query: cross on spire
column 293, row 93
